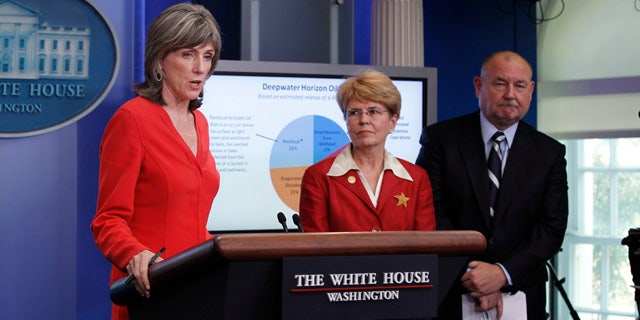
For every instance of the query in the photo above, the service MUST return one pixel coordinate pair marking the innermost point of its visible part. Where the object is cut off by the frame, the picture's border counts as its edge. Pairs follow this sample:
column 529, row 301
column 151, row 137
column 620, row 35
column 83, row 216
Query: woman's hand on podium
column 138, row 268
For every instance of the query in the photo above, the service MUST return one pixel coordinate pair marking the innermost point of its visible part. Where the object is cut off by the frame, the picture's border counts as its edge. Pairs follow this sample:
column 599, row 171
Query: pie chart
column 301, row 143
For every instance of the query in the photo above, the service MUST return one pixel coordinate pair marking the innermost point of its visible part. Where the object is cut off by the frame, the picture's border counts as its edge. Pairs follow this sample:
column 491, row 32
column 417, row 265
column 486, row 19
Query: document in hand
column 514, row 308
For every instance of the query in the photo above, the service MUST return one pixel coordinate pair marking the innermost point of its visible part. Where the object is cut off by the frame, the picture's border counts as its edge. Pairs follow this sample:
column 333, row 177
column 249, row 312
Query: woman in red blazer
column 157, row 176
column 364, row 187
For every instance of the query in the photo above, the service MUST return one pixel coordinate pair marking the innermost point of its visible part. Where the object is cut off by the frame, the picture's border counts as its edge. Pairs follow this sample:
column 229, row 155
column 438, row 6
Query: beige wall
column 589, row 69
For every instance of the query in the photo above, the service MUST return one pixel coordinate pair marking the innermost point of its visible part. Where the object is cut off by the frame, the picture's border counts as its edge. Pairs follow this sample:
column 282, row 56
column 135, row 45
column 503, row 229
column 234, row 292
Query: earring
column 159, row 76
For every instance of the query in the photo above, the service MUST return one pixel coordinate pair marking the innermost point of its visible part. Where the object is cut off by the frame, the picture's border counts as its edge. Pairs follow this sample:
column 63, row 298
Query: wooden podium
column 239, row 276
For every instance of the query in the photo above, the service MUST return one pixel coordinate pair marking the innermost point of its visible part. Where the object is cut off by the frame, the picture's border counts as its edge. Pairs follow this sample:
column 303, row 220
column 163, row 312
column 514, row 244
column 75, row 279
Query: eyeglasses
column 372, row 113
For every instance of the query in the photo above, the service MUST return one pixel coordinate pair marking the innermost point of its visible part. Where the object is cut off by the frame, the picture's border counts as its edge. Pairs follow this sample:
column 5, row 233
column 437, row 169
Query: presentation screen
column 269, row 121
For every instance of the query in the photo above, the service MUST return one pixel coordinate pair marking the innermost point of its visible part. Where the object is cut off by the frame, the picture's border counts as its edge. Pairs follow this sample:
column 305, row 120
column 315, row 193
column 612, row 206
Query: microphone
column 296, row 220
column 283, row 221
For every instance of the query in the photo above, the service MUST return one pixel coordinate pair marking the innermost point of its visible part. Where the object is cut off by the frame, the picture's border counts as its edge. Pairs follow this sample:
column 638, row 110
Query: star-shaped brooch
column 402, row 199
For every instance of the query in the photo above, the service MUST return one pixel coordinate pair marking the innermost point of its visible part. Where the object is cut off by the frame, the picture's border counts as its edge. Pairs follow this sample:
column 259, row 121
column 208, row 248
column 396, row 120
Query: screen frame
column 427, row 75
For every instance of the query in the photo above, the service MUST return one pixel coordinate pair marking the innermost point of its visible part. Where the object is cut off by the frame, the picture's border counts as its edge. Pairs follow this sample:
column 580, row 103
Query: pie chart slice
column 301, row 143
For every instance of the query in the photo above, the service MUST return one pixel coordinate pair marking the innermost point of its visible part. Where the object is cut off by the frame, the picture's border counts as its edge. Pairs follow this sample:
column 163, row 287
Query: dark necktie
column 495, row 168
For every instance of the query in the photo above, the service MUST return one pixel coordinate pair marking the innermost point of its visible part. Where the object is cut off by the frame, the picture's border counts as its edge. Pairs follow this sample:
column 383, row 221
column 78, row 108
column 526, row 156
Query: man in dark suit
column 526, row 223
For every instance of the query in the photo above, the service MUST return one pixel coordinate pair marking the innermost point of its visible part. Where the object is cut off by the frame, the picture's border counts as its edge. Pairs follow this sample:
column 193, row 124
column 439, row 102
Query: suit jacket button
column 491, row 241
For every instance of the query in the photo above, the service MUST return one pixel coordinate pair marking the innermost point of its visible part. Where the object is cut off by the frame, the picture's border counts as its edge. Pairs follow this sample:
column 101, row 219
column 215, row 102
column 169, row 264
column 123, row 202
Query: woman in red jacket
column 157, row 176
column 364, row 187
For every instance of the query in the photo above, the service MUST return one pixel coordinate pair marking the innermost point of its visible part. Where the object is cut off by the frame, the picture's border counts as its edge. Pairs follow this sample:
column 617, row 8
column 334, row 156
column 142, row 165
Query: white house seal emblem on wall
column 58, row 60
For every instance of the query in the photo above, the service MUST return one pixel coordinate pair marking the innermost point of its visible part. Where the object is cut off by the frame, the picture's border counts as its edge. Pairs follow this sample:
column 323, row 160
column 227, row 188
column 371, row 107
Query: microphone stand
column 558, row 284
column 283, row 221
column 297, row 222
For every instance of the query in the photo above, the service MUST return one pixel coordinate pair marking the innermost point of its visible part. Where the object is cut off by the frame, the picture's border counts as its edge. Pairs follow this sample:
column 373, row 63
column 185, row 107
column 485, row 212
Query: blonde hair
column 369, row 85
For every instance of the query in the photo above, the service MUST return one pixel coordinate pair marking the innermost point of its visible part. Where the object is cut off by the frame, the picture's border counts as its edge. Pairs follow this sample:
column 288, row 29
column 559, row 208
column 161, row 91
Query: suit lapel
column 352, row 182
column 515, row 172
column 476, row 166
column 390, row 188
column 471, row 148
